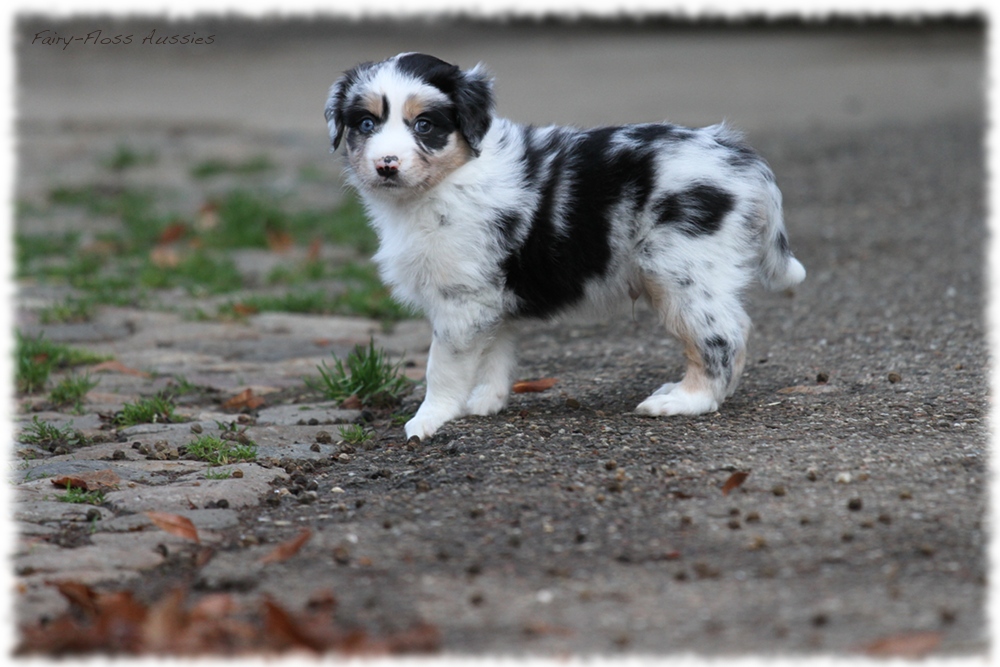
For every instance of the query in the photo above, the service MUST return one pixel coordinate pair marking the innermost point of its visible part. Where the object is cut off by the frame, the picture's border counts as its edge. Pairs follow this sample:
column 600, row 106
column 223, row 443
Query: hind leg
column 713, row 329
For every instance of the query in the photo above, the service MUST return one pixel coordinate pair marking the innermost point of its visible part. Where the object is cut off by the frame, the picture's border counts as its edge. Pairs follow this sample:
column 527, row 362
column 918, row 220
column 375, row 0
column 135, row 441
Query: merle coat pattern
column 484, row 223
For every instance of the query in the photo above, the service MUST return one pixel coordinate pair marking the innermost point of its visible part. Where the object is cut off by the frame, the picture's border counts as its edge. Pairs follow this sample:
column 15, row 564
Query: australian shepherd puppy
column 484, row 223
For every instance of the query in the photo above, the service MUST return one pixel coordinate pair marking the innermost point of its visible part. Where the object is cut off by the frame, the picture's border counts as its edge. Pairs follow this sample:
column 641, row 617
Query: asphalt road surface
column 567, row 524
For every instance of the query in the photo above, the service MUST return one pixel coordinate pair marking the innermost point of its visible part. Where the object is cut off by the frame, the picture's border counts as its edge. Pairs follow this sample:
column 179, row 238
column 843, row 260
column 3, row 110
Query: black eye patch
column 432, row 127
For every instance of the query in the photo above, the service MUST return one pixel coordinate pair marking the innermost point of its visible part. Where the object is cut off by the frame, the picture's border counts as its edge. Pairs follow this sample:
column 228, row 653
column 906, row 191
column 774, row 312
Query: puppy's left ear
column 474, row 106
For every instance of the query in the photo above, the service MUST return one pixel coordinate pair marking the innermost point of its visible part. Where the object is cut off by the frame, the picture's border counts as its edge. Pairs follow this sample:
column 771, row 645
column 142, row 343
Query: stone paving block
column 305, row 413
column 203, row 519
column 34, row 507
column 66, row 562
column 240, row 492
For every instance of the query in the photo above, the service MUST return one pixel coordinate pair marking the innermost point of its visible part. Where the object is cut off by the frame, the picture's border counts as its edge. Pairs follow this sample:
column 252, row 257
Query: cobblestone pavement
column 566, row 524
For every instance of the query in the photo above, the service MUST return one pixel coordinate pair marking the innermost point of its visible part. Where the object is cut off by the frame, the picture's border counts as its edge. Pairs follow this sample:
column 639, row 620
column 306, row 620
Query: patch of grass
column 217, row 166
column 49, row 436
column 355, row 434
column 150, row 410
column 30, row 247
column 221, row 474
column 345, row 225
column 199, row 273
column 71, row 390
column 217, row 451
column 246, row 220
column 365, row 296
column 36, row 358
column 368, row 374
column 125, row 157
column 69, row 311
column 75, row 495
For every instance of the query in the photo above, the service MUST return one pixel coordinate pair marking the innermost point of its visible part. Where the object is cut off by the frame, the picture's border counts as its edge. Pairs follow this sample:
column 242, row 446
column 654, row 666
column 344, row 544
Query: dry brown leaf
column 287, row 549
column 245, row 399
column 351, row 403
column 174, row 524
column 527, row 386
column 117, row 624
column 910, row 645
column 114, row 366
column 279, row 241
column 808, row 389
column 244, row 310
column 734, row 481
column 78, row 594
column 89, row 481
column 208, row 217
column 315, row 250
column 165, row 257
column 280, row 626
column 173, row 232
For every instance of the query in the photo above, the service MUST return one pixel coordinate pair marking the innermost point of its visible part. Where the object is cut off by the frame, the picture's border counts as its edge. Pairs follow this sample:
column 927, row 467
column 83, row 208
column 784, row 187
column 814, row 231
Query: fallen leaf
column 910, row 645
column 114, row 366
column 526, row 386
column 208, row 217
column 351, row 403
column 539, row 628
column 279, row 241
column 808, row 389
column 174, row 524
column 165, row 257
column 734, row 481
column 173, row 232
column 279, row 625
column 78, row 594
column 244, row 310
column 315, row 250
column 89, row 481
column 287, row 549
column 117, row 624
column 245, row 399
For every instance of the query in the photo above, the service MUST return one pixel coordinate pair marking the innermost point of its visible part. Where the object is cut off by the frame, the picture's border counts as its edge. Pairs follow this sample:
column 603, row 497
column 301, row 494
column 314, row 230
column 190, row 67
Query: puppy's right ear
column 336, row 102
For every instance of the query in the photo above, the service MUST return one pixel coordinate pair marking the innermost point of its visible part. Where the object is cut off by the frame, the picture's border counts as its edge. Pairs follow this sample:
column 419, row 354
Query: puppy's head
column 408, row 122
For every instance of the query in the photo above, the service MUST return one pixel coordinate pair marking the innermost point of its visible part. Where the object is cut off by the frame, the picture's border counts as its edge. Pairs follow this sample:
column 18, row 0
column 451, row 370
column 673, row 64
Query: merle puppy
column 484, row 223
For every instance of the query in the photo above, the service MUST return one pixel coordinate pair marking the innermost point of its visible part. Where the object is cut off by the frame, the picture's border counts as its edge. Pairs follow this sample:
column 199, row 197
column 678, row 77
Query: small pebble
column 811, row 475
column 237, row 473
column 324, row 437
column 778, row 490
column 854, row 504
column 196, row 428
column 314, row 447
column 118, row 455
column 843, row 478
column 752, row 517
column 822, row 378
column 895, row 377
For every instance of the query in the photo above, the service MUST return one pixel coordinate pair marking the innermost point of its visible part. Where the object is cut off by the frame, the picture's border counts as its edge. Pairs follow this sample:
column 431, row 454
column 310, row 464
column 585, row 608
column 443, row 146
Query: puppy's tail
column 778, row 268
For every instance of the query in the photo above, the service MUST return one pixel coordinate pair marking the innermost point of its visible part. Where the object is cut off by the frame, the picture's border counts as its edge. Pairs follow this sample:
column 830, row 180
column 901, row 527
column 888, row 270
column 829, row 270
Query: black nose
column 387, row 166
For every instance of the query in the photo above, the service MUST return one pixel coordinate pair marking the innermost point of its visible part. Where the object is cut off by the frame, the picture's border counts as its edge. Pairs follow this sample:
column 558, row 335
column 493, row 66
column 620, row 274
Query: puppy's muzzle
column 387, row 166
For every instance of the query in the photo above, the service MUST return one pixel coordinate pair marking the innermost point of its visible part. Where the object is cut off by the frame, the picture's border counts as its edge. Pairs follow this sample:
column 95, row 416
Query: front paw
column 422, row 427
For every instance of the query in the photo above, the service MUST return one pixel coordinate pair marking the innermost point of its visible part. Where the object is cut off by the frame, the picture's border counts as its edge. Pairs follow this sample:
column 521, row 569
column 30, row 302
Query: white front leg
column 451, row 374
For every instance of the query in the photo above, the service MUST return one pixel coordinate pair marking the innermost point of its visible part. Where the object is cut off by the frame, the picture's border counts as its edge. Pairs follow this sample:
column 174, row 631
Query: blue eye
column 422, row 126
column 366, row 126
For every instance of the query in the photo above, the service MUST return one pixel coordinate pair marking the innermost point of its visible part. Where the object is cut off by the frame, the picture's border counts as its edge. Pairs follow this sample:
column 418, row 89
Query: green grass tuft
column 36, row 358
column 355, row 434
column 368, row 374
column 151, row 410
column 217, row 451
column 71, row 390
